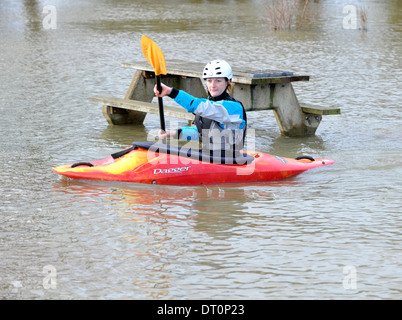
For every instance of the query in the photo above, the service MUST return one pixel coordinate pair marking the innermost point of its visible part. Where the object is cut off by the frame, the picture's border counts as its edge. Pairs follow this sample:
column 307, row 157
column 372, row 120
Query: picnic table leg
column 141, row 88
column 291, row 119
column 281, row 98
column 287, row 110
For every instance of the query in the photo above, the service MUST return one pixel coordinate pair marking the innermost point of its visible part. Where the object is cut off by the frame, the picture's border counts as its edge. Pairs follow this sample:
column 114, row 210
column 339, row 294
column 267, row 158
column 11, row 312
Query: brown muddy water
column 330, row 233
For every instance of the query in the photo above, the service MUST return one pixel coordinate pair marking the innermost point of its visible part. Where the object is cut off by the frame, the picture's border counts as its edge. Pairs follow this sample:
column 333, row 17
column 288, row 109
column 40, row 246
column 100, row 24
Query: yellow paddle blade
column 154, row 55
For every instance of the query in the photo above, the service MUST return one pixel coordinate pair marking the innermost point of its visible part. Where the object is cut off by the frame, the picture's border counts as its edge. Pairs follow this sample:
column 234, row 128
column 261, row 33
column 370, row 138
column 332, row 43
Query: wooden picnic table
column 256, row 89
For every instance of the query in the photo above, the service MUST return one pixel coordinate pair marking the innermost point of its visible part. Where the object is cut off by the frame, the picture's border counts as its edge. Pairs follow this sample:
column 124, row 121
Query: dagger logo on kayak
column 171, row 170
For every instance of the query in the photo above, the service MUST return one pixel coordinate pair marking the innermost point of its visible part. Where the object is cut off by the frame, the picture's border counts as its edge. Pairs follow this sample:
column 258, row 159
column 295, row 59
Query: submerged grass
column 362, row 13
column 290, row 14
column 295, row 14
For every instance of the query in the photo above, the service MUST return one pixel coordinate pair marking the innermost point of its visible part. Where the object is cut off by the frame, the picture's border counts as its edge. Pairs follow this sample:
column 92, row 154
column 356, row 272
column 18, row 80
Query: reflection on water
column 283, row 239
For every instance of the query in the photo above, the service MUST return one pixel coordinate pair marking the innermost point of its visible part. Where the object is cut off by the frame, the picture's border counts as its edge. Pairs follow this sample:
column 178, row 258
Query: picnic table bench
column 256, row 89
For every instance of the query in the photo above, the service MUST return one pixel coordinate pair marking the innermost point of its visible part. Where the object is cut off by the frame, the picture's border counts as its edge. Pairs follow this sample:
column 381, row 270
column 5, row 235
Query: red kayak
column 152, row 163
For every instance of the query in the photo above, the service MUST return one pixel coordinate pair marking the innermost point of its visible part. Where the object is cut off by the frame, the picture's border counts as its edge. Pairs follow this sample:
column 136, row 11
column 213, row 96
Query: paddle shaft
column 160, row 102
column 156, row 59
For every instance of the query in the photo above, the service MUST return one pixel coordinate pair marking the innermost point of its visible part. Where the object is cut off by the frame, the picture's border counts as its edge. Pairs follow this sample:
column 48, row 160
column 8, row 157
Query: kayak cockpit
column 192, row 153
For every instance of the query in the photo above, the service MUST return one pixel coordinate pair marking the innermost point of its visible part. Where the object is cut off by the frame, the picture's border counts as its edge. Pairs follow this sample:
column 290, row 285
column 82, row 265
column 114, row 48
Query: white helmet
column 217, row 69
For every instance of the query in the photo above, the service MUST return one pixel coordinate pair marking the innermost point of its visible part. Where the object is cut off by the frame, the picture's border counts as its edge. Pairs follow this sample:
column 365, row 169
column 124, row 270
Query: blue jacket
column 220, row 122
column 229, row 114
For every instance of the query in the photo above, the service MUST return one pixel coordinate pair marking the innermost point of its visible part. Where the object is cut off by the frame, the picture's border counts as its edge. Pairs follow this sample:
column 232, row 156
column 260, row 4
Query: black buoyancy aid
column 207, row 124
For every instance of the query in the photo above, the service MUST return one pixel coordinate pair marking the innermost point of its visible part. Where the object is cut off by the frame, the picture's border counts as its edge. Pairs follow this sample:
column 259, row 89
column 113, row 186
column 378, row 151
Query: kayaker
column 220, row 121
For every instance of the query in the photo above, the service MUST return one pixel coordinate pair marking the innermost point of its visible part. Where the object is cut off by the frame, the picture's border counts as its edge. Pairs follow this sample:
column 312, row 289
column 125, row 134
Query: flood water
column 330, row 233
